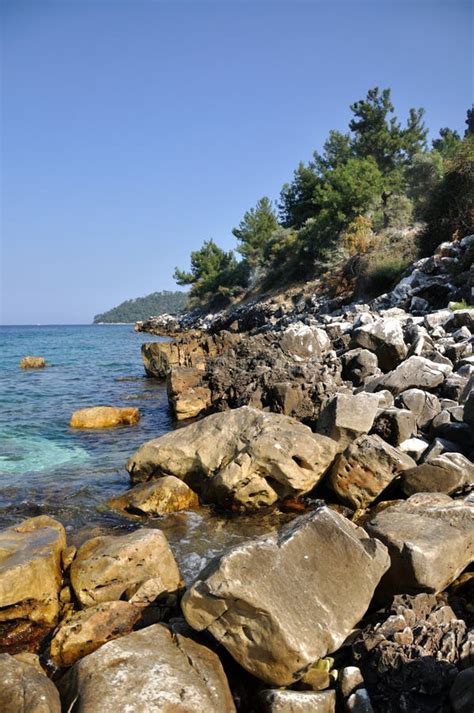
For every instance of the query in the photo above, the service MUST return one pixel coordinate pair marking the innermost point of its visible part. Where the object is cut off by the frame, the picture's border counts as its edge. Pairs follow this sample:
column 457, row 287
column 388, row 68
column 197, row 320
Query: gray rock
column 347, row 416
column 437, row 319
column 25, row 689
column 395, row 425
column 358, row 365
column 462, row 692
column 280, row 603
column 424, row 405
column 430, row 538
column 384, row 337
column 415, row 372
column 448, row 473
column 359, row 702
column 278, row 701
column 303, row 341
column 414, row 447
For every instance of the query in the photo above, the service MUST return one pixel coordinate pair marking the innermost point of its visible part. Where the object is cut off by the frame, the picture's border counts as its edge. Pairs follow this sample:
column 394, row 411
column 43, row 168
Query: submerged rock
column 32, row 362
column 280, row 603
column 150, row 671
column 242, row 458
column 104, row 417
column 159, row 497
column 26, row 689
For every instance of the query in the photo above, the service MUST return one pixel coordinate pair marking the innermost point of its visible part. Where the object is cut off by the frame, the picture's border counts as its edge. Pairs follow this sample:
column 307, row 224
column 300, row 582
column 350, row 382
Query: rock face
column 242, row 458
column 447, row 473
column 110, row 568
column 104, row 417
column 192, row 351
column 384, row 337
column 150, row 670
column 25, row 689
column 162, row 496
column 430, row 538
column 188, row 395
column 32, row 362
column 86, row 630
column 347, row 416
column 280, row 603
column 30, row 570
column 363, row 471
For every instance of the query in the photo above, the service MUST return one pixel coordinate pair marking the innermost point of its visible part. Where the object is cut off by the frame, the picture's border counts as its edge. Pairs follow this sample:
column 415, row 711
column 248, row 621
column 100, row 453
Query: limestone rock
column 187, row 393
column 243, row 458
column 415, row 372
column 280, row 603
column 150, row 671
column 159, row 497
column 281, row 701
column 384, row 337
column 430, row 538
column 104, row 417
column 347, row 416
column 302, row 341
column 424, row 405
column 363, row 471
column 358, row 365
column 107, row 567
column 395, row 425
column 86, row 630
column 32, row 362
column 24, row 689
column 30, row 570
column 447, row 473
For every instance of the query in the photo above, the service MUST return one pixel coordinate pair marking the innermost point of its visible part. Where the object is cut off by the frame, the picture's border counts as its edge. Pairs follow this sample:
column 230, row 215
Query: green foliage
column 255, row 230
column 454, row 306
column 297, row 198
column 165, row 302
column 398, row 211
column 382, row 273
column 447, row 143
column 422, row 177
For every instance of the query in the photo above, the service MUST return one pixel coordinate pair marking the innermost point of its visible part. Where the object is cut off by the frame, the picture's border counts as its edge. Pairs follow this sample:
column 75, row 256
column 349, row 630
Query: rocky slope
column 358, row 417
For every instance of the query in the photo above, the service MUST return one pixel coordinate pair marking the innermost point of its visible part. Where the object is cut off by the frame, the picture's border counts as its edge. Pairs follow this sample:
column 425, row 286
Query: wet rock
column 25, row 689
column 430, row 538
column 384, row 337
column 347, row 416
column 415, row 372
column 448, row 473
column 107, row 568
column 159, row 497
column 395, row 425
column 104, row 417
column 280, row 603
column 281, row 701
column 150, row 670
column 242, row 458
column 358, row 365
column 86, row 630
column 461, row 695
column 188, row 394
column 32, row 362
column 30, row 571
column 363, row 471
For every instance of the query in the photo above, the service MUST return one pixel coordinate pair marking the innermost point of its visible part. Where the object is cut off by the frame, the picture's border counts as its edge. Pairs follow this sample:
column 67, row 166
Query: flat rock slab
column 159, row 497
column 280, row 603
column 148, row 671
column 274, row 701
column 347, row 416
column 104, row 417
column 430, row 538
column 30, row 570
column 415, row 372
column 26, row 689
column 109, row 568
column 243, row 458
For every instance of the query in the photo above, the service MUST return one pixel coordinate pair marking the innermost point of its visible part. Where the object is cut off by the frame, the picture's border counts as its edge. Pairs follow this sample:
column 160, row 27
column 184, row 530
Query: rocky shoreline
column 357, row 417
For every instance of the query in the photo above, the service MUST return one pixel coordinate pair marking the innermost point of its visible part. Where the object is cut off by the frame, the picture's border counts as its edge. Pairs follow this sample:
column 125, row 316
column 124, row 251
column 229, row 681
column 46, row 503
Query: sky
column 133, row 130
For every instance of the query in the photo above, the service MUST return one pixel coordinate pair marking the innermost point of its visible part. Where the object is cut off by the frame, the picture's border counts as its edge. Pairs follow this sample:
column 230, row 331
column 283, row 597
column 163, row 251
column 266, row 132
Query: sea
column 47, row 468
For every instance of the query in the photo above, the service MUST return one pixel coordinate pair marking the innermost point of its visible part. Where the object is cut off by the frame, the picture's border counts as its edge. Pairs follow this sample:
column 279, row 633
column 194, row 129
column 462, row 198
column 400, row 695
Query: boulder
column 243, row 458
column 281, row 602
column 284, row 701
column 30, row 571
column 424, row 405
column 347, row 416
column 460, row 318
column 384, row 337
column 109, row 568
column 187, row 393
column 358, row 365
column 104, row 417
column 159, row 497
column 32, row 362
column 447, row 473
column 363, row 471
column 430, row 538
column 395, row 425
column 415, row 372
column 25, row 689
column 461, row 695
column 304, row 342
column 86, row 630
column 150, row 671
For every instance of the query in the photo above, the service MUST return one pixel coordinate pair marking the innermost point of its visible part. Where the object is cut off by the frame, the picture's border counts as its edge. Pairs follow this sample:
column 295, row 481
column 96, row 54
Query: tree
column 212, row 269
column 447, row 143
column 255, row 230
column 422, row 177
column 297, row 198
column 470, row 123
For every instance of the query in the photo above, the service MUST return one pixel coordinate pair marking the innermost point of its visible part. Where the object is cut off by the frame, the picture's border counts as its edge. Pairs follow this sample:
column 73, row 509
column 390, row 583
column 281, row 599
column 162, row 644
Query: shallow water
column 48, row 468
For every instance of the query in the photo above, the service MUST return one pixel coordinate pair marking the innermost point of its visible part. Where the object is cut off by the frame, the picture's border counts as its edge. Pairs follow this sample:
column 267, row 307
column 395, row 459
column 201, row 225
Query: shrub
column 381, row 274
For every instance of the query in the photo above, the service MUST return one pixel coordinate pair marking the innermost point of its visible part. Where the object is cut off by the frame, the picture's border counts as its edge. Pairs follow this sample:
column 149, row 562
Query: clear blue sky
column 135, row 129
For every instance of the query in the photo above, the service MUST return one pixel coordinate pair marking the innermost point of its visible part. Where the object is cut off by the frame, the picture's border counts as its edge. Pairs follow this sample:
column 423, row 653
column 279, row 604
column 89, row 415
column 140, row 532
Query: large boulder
column 158, row 497
column 430, row 538
column 415, row 372
column 447, row 473
column 347, row 416
column 26, row 689
column 30, row 571
column 422, row 404
column 244, row 458
column 148, row 671
column 384, row 337
column 108, row 568
column 281, row 602
column 363, row 471
column 358, row 365
column 104, row 417
column 304, row 342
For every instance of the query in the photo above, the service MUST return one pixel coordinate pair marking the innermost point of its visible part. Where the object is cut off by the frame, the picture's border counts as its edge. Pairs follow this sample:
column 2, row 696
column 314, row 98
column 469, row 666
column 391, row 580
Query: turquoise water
column 48, row 468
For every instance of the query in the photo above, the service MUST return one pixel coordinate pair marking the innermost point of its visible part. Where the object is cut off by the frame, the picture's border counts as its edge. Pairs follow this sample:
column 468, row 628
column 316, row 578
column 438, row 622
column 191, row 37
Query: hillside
column 139, row 308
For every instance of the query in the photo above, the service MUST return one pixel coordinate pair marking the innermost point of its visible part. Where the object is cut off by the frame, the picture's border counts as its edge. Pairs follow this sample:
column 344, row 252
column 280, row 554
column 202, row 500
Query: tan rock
column 30, row 570
column 104, row 417
column 159, row 497
column 107, row 567
column 187, row 393
column 243, row 458
column 32, row 362
column 148, row 671
column 25, row 689
column 86, row 630
column 278, row 701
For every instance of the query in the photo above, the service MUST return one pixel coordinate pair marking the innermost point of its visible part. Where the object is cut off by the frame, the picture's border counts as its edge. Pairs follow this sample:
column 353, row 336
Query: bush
column 357, row 237
column 381, row 274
